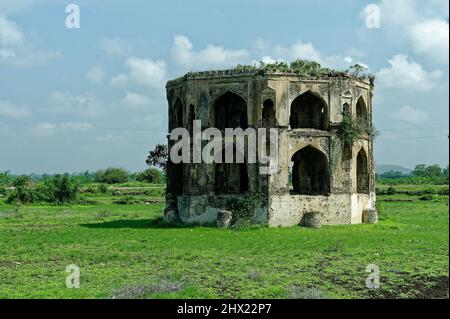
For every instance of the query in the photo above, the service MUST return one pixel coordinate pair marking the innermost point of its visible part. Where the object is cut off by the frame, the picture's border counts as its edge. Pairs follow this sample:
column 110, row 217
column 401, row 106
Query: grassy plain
column 126, row 251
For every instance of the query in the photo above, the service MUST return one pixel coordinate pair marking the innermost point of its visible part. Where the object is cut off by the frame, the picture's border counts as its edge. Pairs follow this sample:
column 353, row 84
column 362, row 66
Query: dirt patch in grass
column 419, row 287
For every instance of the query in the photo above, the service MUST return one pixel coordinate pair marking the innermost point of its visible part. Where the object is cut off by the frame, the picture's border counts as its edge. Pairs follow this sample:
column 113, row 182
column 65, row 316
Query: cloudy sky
column 87, row 98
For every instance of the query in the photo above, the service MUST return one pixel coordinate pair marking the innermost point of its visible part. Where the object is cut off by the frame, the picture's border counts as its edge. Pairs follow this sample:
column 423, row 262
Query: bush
column 57, row 189
column 112, row 175
column 426, row 197
column 126, row 200
column 391, row 191
column 150, row 175
column 102, row 188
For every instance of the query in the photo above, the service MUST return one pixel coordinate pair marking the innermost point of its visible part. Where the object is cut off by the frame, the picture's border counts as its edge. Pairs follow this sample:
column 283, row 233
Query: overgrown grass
column 125, row 251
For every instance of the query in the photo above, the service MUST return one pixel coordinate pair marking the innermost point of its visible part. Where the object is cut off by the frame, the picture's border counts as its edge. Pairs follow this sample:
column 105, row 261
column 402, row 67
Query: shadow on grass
column 137, row 224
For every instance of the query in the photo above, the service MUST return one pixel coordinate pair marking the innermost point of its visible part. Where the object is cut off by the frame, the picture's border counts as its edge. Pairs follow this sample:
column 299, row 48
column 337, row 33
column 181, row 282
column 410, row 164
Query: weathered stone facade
column 328, row 177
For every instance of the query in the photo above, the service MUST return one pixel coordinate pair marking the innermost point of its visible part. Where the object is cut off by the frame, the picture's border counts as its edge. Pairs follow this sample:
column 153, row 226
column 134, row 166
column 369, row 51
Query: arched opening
column 346, row 109
column 230, row 111
column 268, row 113
column 230, row 178
column 191, row 117
column 310, row 172
column 361, row 110
column 178, row 173
column 308, row 111
column 178, row 113
column 362, row 173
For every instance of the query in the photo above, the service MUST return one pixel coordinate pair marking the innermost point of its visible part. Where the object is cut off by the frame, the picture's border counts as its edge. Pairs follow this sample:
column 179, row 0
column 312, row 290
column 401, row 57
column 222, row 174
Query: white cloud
column 10, row 32
column 431, row 39
column 47, row 129
column 17, row 51
column 115, row 47
column 8, row 109
column 423, row 24
column 81, row 105
column 304, row 51
column 298, row 50
column 410, row 115
column 151, row 73
column 406, row 74
column 212, row 56
column 95, row 74
column 135, row 101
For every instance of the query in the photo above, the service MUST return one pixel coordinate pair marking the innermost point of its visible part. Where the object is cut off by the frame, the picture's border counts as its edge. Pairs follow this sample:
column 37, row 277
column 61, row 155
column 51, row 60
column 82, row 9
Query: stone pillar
column 224, row 218
column 170, row 215
column 370, row 216
column 312, row 219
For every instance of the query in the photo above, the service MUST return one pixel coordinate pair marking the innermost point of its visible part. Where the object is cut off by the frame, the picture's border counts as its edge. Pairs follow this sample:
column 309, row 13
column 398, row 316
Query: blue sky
column 88, row 98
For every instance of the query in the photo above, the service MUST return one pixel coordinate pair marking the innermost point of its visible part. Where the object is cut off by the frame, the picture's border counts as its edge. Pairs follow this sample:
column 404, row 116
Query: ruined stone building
column 318, row 172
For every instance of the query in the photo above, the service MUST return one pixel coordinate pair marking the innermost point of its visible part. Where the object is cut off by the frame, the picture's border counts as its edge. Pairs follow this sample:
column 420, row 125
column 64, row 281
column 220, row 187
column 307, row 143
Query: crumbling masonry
column 318, row 172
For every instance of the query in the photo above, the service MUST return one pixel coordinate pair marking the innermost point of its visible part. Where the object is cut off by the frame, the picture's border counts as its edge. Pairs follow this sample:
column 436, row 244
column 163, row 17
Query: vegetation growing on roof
column 308, row 68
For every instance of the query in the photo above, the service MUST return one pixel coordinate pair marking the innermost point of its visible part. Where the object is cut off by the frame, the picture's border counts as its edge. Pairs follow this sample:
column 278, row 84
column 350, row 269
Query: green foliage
column 56, row 189
column 410, row 247
column 150, row 175
column 352, row 129
column 422, row 174
column 126, row 200
column 158, row 157
column 308, row 68
column 242, row 209
column 426, row 197
column 112, row 175
column 5, row 178
column 102, row 188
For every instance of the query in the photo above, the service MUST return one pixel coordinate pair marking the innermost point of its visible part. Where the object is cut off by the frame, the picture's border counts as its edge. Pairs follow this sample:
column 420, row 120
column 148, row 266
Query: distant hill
column 383, row 168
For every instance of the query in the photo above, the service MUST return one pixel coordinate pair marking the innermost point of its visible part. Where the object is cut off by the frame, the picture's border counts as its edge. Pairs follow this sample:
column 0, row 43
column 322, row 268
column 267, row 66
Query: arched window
column 361, row 110
column 346, row 109
column 178, row 114
column 191, row 117
column 308, row 111
column 268, row 113
column 230, row 178
column 230, row 111
column 310, row 172
column 362, row 173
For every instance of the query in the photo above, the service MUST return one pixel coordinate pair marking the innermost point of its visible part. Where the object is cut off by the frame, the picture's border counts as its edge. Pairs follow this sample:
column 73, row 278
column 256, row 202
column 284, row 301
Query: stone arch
column 308, row 110
column 361, row 110
column 230, row 111
column 346, row 109
column 191, row 116
column 178, row 118
column 362, row 172
column 268, row 113
column 310, row 172
column 231, row 178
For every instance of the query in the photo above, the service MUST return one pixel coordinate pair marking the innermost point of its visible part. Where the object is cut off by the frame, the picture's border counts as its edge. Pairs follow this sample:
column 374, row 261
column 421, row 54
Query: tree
column 419, row 170
column 112, row 175
column 158, row 157
column 150, row 175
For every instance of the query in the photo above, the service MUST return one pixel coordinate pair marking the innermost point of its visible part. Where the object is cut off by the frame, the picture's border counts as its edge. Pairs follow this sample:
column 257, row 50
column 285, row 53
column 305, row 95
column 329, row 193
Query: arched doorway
column 308, row 111
column 310, row 172
column 230, row 178
column 230, row 111
column 268, row 113
column 362, row 173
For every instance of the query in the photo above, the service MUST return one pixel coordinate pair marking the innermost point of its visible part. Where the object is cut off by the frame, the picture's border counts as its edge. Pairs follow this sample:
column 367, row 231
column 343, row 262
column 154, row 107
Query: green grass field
column 126, row 251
